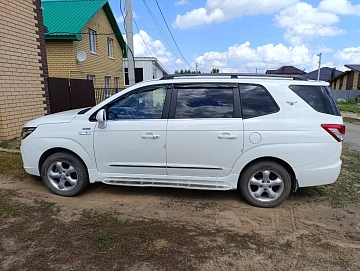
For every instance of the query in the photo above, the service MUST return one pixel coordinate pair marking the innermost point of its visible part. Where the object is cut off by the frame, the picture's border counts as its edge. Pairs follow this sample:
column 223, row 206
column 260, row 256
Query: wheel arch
column 288, row 168
column 52, row 151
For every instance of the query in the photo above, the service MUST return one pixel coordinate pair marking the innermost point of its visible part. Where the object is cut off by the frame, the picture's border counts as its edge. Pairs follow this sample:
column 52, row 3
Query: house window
column 110, row 47
column 92, row 39
column 107, row 81
column 107, row 86
column 154, row 73
column 90, row 77
column 116, row 84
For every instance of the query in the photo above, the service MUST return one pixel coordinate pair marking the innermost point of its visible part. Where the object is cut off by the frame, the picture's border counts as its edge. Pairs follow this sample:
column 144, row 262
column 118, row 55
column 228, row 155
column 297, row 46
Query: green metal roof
column 66, row 19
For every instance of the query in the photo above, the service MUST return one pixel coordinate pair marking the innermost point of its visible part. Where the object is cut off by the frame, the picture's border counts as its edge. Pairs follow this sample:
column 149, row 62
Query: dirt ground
column 193, row 230
column 142, row 229
column 350, row 115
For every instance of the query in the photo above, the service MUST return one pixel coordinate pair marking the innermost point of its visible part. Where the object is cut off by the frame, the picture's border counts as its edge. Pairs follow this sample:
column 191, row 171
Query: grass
column 11, row 164
column 347, row 187
column 13, row 144
column 287, row 244
column 350, row 106
column 351, row 120
column 10, row 208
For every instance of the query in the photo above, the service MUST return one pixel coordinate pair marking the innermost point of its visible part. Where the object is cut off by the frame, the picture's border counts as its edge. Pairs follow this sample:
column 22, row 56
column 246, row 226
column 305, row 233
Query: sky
column 245, row 35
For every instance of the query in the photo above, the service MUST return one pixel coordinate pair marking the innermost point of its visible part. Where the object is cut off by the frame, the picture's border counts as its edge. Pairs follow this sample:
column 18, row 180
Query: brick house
column 348, row 80
column 88, row 27
column 23, row 66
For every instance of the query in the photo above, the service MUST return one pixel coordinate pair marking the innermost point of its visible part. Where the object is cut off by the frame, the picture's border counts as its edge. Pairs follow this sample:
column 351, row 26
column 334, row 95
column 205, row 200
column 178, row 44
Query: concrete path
column 352, row 136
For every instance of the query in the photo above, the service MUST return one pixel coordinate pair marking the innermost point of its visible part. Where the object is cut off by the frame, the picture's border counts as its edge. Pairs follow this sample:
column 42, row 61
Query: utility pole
column 130, row 42
column 196, row 66
column 319, row 55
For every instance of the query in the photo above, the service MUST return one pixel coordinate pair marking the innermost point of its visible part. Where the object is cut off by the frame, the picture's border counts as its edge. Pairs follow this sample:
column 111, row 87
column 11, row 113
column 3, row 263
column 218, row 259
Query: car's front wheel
column 64, row 174
column 265, row 184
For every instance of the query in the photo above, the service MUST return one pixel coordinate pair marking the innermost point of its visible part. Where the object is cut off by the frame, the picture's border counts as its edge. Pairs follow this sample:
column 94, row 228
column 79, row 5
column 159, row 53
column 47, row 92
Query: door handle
column 151, row 136
column 227, row 136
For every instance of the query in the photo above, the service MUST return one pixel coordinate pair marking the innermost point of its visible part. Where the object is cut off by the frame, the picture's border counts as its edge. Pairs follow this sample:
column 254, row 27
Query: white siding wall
column 148, row 66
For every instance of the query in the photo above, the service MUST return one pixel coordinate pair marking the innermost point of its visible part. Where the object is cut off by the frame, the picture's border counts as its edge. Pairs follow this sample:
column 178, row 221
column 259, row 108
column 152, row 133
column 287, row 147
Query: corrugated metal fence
column 65, row 95
column 349, row 95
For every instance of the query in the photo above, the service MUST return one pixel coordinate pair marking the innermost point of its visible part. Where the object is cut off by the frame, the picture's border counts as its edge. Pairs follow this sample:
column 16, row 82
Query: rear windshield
column 318, row 97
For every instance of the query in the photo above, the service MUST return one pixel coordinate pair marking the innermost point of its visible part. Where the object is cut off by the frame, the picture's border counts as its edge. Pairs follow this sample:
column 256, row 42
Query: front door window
column 143, row 105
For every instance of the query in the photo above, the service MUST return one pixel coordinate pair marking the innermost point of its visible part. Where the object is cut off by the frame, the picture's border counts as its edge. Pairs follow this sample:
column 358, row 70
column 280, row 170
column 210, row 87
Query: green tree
column 215, row 70
column 186, row 71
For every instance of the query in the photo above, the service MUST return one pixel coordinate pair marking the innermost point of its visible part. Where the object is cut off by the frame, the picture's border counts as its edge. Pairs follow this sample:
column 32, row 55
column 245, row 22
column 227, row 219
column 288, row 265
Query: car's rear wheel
column 265, row 184
column 64, row 174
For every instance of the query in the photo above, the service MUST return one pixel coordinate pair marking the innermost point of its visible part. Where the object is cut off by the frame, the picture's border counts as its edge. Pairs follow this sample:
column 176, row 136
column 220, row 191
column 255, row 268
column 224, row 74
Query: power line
column 171, row 33
column 159, row 27
column 147, row 48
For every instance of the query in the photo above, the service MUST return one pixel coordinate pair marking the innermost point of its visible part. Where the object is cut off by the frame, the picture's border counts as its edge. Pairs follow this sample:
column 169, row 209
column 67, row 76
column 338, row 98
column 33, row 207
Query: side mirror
column 101, row 118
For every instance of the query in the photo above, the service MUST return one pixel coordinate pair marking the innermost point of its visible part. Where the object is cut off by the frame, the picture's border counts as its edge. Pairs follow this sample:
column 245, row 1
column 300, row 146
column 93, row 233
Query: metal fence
column 103, row 93
column 65, row 94
column 348, row 95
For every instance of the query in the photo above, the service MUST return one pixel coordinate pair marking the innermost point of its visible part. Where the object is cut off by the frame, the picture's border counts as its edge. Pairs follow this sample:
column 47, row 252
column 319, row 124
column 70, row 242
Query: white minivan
column 262, row 135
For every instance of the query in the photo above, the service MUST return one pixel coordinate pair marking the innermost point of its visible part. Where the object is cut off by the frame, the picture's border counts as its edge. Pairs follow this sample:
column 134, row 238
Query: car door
column 133, row 141
column 205, row 130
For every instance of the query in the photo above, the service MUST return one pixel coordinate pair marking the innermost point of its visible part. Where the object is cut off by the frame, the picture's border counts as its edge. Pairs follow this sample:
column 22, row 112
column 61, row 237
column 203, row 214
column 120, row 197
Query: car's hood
column 60, row 117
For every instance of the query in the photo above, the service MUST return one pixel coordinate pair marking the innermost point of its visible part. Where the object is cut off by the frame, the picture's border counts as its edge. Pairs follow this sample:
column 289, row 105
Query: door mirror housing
column 101, row 118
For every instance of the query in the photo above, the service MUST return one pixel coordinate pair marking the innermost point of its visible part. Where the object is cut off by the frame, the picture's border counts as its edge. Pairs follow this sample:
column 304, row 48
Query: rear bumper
column 320, row 173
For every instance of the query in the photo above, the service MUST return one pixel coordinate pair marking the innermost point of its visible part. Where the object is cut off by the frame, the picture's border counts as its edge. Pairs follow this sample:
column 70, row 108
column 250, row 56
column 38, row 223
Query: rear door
column 205, row 130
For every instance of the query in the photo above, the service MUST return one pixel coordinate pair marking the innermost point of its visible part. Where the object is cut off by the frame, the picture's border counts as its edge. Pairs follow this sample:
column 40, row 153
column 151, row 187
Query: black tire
column 64, row 174
column 260, row 190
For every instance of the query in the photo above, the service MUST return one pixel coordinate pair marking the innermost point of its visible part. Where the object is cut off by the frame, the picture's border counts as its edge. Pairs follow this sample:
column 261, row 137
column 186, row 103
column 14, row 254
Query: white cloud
column 303, row 21
column 153, row 48
column 179, row 62
column 340, row 7
column 182, row 2
column 323, row 49
column 216, row 11
column 243, row 58
column 348, row 56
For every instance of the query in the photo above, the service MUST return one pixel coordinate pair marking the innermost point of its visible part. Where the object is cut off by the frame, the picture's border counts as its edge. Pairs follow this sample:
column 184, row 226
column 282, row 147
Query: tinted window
column 143, row 105
column 318, row 97
column 204, row 103
column 256, row 101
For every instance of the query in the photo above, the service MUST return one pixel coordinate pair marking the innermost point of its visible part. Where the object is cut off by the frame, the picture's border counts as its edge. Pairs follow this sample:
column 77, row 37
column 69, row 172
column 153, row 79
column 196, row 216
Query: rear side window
column 318, row 97
column 256, row 101
column 204, row 103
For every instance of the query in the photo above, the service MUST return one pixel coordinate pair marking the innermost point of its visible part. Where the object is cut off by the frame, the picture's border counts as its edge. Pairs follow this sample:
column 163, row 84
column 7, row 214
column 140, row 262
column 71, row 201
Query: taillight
column 336, row 130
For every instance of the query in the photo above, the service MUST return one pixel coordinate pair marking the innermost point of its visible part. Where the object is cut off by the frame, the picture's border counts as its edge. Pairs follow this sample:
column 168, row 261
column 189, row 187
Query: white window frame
column 90, row 77
column 92, row 40
column 107, row 81
column 107, row 86
column 116, row 82
column 110, row 46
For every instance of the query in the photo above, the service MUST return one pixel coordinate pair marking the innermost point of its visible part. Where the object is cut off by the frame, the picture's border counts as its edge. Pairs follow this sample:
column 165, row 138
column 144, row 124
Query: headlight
column 26, row 131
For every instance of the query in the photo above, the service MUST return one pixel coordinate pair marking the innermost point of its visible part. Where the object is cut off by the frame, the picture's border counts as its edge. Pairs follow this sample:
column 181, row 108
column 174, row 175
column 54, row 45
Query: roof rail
column 235, row 75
